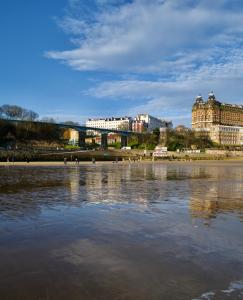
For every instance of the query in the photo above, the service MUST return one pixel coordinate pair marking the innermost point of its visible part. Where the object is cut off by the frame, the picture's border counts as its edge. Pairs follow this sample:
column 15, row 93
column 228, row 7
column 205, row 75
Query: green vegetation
column 71, row 147
column 146, row 140
column 27, row 132
column 116, row 145
column 70, row 123
column 186, row 139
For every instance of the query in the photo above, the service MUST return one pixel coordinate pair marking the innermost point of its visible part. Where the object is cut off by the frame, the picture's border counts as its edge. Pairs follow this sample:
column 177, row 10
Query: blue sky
column 74, row 59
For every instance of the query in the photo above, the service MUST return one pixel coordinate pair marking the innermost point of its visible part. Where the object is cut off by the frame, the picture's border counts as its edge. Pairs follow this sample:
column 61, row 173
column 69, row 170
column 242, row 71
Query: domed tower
column 211, row 96
column 198, row 112
column 213, row 110
column 199, row 99
column 212, row 99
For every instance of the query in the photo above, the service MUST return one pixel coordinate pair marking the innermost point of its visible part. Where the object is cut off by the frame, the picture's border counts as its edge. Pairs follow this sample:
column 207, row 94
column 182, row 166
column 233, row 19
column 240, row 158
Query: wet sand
column 163, row 230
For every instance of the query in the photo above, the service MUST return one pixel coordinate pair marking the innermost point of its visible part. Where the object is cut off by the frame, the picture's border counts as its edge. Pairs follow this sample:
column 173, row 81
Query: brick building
column 222, row 122
column 211, row 112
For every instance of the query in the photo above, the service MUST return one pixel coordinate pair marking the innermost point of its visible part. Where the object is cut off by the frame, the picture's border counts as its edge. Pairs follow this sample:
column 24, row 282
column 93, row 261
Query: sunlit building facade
column 71, row 135
column 223, row 123
column 146, row 122
column 111, row 123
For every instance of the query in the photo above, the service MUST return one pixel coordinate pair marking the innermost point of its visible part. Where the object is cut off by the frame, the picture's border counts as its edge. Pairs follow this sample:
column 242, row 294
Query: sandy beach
column 234, row 162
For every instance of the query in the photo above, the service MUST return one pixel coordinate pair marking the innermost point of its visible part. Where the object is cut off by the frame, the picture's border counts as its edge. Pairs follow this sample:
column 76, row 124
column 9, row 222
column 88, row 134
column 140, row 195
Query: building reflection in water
column 222, row 193
column 103, row 184
column 210, row 190
column 74, row 175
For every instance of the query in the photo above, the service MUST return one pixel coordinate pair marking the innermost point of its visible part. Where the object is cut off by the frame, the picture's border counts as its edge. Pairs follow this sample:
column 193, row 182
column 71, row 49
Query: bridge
column 82, row 130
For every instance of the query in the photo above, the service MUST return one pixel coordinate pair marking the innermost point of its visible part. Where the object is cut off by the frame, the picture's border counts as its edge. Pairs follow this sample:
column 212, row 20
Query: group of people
column 65, row 160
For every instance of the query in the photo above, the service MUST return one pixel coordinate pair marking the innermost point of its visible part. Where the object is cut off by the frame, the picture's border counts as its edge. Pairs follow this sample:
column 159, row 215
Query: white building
column 222, row 134
column 227, row 135
column 120, row 123
column 151, row 122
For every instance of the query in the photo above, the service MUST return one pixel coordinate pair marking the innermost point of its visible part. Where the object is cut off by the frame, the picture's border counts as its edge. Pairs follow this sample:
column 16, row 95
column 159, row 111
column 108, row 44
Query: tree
column 29, row 115
column 146, row 140
column 1, row 112
column 71, row 123
column 156, row 135
column 12, row 111
column 17, row 112
column 185, row 139
column 48, row 120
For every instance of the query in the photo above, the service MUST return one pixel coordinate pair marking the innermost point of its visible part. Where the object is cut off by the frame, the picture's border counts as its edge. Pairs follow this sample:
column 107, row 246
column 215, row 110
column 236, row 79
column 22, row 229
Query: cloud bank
column 174, row 49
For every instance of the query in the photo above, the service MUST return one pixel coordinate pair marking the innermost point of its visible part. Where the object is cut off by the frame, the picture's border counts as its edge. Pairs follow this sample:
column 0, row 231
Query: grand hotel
column 222, row 122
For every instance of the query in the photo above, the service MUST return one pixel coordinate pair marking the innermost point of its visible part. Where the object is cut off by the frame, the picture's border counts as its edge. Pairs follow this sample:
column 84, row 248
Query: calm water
column 121, row 232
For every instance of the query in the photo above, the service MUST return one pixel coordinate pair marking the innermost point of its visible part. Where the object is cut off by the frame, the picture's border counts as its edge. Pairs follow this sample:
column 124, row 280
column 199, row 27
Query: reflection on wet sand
column 222, row 194
column 211, row 191
column 121, row 232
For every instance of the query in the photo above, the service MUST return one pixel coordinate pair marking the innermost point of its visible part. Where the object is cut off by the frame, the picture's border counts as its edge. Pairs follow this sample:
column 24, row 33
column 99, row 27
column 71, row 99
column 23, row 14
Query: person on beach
column 93, row 160
column 77, row 161
column 65, row 160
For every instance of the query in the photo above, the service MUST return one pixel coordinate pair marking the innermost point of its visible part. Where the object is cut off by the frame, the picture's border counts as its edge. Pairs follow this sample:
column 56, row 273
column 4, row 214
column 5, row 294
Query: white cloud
column 188, row 46
column 176, row 97
column 150, row 36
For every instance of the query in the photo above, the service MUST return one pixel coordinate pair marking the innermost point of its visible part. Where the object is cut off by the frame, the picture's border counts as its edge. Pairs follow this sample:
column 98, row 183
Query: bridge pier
column 104, row 142
column 123, row 141
column 81, row 138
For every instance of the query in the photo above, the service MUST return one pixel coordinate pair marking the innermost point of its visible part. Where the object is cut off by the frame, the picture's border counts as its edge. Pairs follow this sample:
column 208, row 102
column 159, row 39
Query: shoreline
column 101, row 163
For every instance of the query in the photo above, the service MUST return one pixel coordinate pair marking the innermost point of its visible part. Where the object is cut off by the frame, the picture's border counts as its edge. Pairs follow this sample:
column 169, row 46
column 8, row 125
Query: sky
column 79, row 59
